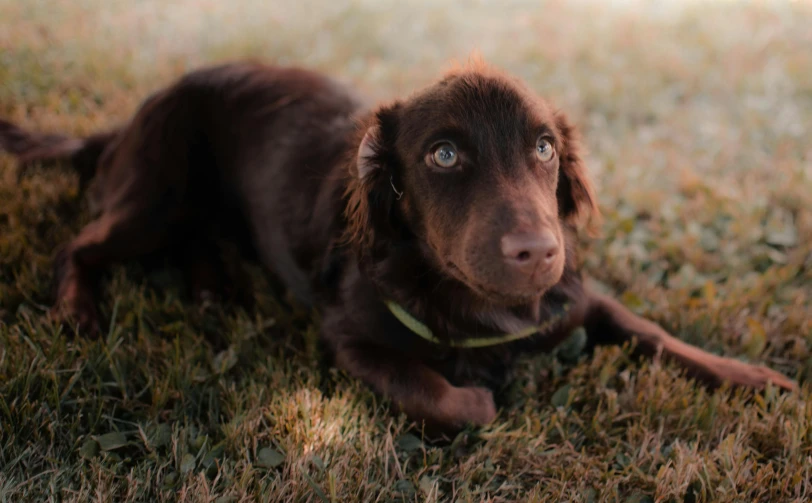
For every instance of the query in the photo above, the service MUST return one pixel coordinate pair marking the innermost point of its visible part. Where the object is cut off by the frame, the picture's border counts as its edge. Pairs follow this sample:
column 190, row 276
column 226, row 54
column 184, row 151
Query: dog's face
column 484, row 175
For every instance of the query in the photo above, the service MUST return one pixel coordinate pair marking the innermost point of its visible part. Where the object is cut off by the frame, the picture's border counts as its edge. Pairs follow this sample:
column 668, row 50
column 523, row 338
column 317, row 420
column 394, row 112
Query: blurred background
column 698, row 119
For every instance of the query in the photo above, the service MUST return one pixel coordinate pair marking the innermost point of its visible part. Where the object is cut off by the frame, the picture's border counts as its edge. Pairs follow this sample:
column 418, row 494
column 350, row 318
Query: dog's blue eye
column 544, row 150
column 445, row 156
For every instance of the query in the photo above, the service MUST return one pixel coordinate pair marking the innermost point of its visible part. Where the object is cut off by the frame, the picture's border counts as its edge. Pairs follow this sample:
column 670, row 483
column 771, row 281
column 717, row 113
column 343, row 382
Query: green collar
column 425, row 332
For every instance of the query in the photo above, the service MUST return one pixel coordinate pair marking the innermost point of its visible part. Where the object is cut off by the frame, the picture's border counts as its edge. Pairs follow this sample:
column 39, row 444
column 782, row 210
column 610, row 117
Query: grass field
column 698, row 118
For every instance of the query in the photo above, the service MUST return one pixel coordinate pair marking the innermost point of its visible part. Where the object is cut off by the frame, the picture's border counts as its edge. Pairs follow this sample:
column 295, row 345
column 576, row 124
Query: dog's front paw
column 467, row 405
column 750, row 376
column 77, row 314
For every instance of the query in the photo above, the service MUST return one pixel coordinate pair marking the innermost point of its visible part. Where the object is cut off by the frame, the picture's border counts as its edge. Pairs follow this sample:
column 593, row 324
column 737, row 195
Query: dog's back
column 278, row 136
column 240, row 142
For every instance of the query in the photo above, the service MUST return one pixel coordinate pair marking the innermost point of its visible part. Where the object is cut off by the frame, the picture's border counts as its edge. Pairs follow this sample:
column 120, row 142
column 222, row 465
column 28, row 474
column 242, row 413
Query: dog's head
column 482, row 174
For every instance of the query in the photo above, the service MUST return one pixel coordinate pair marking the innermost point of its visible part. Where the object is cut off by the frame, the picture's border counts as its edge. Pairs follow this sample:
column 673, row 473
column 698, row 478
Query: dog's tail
column 30, row 147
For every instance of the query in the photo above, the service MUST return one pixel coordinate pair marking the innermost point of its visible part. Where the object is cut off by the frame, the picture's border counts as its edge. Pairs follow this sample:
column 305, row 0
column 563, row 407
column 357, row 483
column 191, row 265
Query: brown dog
column 436, row 234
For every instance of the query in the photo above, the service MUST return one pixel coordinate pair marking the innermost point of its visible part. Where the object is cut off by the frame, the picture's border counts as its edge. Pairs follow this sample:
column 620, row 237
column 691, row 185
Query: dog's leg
column 114, row 236
column 203, row 269
column 420, row 392
column 209, row 276
column 609, row 322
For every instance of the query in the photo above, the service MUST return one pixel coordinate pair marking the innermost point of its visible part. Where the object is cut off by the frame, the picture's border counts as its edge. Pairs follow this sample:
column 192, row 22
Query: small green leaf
column 170, row 479
column 317, row 462
column 626, row 225
column 608, row 371
column 639, row 498
column 161, row 436
column 209, row 461
column 404, row 488
column 632, row 300
column 176, row 327
column 198, row 442
column 708, row 240
column 269, row 458
column 225, row 361
column 113, row 457
column 217, row 450
column 315, row 487
column 463, row 443
column 187, row 463
column 561, row 396
column 409, row 442
column 111, row 441
column 570, row 350
column 427, row 484
column 89, row 449
column 786, row 237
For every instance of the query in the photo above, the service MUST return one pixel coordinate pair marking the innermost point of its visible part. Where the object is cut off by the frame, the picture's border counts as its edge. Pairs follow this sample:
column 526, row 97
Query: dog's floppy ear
column 372, row 189
column 575, row 194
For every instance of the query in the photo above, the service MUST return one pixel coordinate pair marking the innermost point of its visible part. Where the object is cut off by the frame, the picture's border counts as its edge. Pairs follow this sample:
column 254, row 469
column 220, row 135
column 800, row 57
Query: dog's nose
column 529, row 251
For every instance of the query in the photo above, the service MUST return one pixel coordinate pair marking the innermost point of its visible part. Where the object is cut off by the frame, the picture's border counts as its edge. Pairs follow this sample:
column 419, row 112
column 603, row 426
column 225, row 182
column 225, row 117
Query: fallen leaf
column 572, row 348
column 187, row 463
column 269, row 458
column 111, row 441
column 409, row 442
column 427, row 484
column 89, row 449
column 161, row 436
column 404, row 488
column 561, row 396
column 315, row 487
